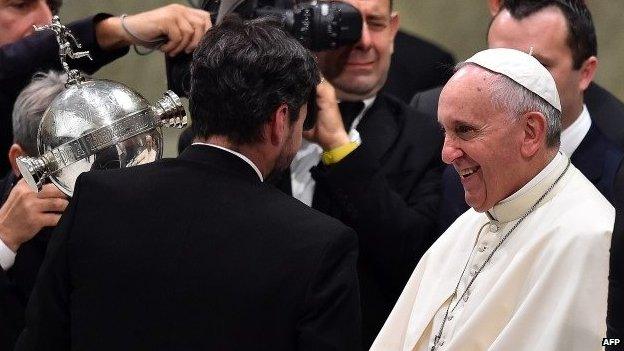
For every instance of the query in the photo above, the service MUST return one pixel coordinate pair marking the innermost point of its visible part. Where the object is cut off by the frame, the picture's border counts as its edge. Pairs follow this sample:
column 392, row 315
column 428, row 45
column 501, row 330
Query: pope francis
column 526, row 268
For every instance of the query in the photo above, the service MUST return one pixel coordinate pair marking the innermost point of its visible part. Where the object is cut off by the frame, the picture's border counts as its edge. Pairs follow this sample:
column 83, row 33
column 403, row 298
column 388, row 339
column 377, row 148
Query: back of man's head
column 30, row 106
column 581, row 32
column 242, row 71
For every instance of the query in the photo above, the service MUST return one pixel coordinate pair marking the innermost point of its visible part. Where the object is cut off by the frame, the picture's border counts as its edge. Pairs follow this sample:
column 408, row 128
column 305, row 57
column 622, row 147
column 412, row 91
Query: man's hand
column 181, row 25
column 329, row 131
column 26, row 212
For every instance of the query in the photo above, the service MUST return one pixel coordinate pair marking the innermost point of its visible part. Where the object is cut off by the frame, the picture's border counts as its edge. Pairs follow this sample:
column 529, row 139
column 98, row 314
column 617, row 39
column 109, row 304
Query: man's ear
column 15, row 151
column 278, row 126
column 494, row 6
column 588, row 71
column 394, row 27
column 534, row 133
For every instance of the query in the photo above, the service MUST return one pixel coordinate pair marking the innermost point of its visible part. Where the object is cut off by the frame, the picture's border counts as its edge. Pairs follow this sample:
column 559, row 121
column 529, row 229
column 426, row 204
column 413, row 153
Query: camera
column 318, row 25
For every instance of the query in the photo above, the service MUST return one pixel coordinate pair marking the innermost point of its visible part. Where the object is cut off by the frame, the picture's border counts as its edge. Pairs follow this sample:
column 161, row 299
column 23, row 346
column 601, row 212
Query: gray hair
column 30, row 105
column 509, row 96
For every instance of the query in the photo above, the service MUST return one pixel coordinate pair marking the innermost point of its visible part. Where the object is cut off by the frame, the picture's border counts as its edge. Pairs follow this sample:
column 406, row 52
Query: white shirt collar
column 514, row 206
column 572, row 136
column 243, row 157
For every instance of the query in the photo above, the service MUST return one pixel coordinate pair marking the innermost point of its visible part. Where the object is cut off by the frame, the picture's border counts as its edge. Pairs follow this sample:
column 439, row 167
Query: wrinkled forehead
column 472, row 76
column 467, row 90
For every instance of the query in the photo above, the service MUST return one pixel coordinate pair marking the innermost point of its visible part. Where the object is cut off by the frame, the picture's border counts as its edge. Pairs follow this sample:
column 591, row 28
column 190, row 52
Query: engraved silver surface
column 98, row 124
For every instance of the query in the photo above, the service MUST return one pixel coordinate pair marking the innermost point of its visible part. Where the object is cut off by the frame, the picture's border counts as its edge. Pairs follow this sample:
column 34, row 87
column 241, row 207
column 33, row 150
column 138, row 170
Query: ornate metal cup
column 98, row 124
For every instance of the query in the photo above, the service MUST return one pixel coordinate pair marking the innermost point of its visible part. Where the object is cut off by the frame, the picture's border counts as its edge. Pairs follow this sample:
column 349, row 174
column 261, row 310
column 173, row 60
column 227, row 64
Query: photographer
column 22, row 52
column 371, row 162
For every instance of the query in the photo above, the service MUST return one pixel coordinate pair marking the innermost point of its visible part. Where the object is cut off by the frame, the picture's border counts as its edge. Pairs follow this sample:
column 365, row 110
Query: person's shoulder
column 582, row 208
column 598, row 98
column 407, row 113
column 128, row 181
column 427, row 101
column 301, row 218
column 419, row 46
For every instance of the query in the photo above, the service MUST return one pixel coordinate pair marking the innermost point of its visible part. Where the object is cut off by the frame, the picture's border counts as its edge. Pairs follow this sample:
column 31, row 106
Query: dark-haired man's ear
column 494, row 6
column 279, row 126
column 15, row 151
column 587, row 71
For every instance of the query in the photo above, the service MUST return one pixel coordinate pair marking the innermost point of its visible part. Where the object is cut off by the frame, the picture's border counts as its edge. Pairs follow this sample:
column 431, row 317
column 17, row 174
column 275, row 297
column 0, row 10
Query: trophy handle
column 33, row 171
column 170, row 111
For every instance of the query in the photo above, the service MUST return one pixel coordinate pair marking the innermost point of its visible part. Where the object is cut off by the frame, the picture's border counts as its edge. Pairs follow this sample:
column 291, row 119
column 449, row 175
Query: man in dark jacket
column 198, row 253
column 26, row 217
column 417, row 65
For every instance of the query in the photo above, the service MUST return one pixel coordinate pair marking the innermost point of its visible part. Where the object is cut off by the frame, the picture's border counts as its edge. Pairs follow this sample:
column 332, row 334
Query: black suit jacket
column 607, row 111
column 38, row 52
column 388, row 190
column 416, row 65
column 615, row 312
column 17, row 282
column 193, row 253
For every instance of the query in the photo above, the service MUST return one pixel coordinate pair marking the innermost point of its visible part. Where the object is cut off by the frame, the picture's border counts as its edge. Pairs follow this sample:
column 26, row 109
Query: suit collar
column 216, row 157
column 590, row 156
column 381, row 125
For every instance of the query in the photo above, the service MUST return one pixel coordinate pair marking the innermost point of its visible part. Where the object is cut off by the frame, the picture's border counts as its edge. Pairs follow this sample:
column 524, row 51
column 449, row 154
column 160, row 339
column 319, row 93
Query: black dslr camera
column 318, row 25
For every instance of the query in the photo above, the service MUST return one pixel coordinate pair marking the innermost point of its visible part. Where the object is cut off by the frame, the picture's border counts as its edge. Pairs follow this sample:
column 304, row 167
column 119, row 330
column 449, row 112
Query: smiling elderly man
column 526, row 268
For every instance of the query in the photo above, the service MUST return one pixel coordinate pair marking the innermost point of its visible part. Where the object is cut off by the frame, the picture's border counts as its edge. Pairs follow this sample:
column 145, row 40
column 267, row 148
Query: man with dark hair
column 198, row 253
column 561, row 35
column 23, row 53
column 373, row 163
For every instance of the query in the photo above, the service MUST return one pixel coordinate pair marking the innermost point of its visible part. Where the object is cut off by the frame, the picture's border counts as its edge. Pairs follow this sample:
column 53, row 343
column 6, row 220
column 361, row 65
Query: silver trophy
column 96, row 124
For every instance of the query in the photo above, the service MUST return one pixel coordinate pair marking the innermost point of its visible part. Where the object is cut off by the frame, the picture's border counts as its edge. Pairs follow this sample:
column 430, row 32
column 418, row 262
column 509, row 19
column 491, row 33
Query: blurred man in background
column 26, row 217
column 416, row 65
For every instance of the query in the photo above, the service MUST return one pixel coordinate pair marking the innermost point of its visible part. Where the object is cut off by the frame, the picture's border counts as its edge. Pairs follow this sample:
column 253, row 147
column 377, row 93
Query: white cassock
column 545, row 288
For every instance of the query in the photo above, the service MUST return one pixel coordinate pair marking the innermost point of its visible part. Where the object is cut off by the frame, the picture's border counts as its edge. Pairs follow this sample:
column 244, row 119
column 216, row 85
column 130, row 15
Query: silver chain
column 448, row 308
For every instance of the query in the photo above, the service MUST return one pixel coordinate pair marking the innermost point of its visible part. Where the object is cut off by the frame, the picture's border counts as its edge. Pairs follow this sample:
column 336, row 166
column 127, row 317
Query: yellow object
column 336, row 155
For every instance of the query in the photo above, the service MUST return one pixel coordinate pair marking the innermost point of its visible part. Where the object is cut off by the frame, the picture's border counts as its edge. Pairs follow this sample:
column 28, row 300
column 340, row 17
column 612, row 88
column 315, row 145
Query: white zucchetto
column 522, row 68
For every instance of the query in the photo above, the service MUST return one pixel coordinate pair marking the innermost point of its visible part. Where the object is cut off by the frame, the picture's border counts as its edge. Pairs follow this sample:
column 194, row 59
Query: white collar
column 514, row 206
column 572, row 136
column 243, row 157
